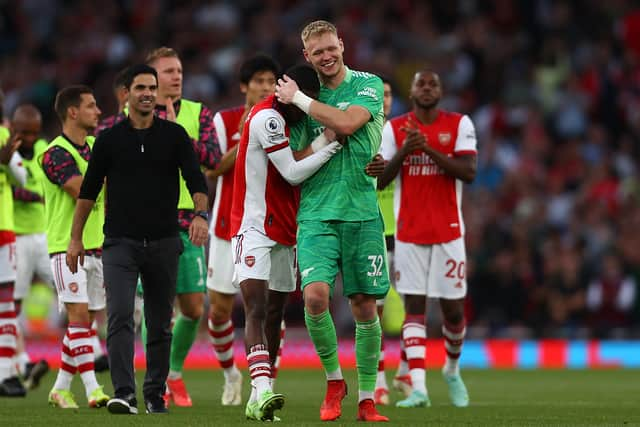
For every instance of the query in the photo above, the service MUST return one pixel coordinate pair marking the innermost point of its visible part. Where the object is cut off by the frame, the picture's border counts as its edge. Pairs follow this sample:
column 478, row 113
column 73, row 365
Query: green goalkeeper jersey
column 341, row 190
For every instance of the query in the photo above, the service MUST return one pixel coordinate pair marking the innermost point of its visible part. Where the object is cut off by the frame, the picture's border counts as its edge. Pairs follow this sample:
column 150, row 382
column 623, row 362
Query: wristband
column 319, row 143
column 302, row 101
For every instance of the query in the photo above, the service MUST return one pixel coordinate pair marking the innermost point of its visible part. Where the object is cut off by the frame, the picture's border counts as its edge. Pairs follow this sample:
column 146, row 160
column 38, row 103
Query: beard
column 142, row 111
column 426, row 105
column 89, row 127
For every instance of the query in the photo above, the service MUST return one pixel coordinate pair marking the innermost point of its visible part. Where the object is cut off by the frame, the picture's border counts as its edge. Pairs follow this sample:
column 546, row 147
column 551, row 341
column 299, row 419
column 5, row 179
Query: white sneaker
column 232, row 392
column 457, row 390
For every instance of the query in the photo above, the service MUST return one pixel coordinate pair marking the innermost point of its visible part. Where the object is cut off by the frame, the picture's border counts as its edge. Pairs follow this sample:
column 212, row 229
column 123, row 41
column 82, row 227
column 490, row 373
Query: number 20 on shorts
column 456, row 270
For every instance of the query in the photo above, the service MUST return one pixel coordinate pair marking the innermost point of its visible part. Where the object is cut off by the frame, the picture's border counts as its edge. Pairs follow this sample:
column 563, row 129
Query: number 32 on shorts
column 376, row 265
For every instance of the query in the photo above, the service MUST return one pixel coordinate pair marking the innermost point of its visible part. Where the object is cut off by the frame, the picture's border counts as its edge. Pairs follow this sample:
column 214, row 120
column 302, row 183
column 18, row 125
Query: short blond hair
column 317, row 28
column 161, row 52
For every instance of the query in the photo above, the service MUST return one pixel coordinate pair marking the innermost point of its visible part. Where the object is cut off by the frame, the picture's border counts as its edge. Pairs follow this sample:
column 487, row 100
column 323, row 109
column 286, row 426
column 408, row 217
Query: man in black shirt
column 141, row 159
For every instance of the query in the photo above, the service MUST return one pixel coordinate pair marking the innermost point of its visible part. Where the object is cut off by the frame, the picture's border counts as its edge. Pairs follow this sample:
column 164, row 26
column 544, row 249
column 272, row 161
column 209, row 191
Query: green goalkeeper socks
column 323, row 335
column 143, row 332
column 184, row 334
column 368, row 336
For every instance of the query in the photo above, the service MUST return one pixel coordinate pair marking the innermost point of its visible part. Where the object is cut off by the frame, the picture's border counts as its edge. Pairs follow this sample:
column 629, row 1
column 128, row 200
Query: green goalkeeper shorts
column 192, row 268
column 356, row 249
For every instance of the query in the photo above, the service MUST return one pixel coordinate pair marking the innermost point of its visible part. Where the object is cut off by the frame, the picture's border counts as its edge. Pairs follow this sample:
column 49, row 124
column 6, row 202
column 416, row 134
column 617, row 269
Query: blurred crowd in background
column 553, row 88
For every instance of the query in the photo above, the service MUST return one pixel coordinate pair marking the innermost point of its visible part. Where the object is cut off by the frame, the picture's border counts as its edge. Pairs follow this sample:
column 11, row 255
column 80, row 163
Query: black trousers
column 156, row 262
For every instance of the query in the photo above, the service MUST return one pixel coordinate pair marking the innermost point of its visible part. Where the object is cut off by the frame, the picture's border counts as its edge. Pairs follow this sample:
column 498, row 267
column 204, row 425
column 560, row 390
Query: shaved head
column 27, row 112
column 26, row 124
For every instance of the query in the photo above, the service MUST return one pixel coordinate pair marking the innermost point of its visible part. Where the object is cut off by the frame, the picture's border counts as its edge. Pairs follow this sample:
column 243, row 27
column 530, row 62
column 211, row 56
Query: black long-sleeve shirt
column 142, row 169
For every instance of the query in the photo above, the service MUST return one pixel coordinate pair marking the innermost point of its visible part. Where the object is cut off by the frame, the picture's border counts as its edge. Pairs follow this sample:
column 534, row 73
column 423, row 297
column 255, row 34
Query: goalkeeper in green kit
column 339, row 224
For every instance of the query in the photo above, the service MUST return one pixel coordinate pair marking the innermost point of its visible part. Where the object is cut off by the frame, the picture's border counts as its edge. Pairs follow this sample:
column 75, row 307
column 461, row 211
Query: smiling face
column 142, row 94
column 426, row 90
column 169, row 77
column 324, row 52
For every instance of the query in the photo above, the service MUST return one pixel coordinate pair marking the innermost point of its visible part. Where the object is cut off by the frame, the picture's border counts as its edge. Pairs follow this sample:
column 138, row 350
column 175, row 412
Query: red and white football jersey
column 427, row 202
column 263, row 199
column 227, row 123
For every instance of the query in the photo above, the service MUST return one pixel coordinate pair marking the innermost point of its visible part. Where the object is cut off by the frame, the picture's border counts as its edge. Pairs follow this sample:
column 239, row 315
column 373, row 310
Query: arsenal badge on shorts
column 249, row 260
column 73, row 287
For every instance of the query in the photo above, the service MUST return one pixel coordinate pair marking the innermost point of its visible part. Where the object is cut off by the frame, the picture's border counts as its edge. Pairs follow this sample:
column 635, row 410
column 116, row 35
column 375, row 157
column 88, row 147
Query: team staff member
column 197, row 120
column 141, row 158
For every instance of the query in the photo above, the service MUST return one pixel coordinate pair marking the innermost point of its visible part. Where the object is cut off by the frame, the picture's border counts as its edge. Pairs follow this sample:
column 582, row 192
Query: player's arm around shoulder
column 268, row 129
column 364, row 106
column 325, row 138
column 343, row 122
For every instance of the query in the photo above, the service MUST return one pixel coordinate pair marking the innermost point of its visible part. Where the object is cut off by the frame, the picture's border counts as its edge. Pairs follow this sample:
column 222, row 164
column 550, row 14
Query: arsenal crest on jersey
column 250, row 260
column 444, row 138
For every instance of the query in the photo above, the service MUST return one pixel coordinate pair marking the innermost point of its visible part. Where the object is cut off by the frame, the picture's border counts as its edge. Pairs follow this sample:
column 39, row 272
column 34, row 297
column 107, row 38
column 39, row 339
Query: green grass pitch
column 498, row 398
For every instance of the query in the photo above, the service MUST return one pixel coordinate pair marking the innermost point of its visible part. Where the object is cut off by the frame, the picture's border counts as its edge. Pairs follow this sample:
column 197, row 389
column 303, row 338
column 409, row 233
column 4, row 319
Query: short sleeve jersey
column 427, row 201
column 341, row 190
